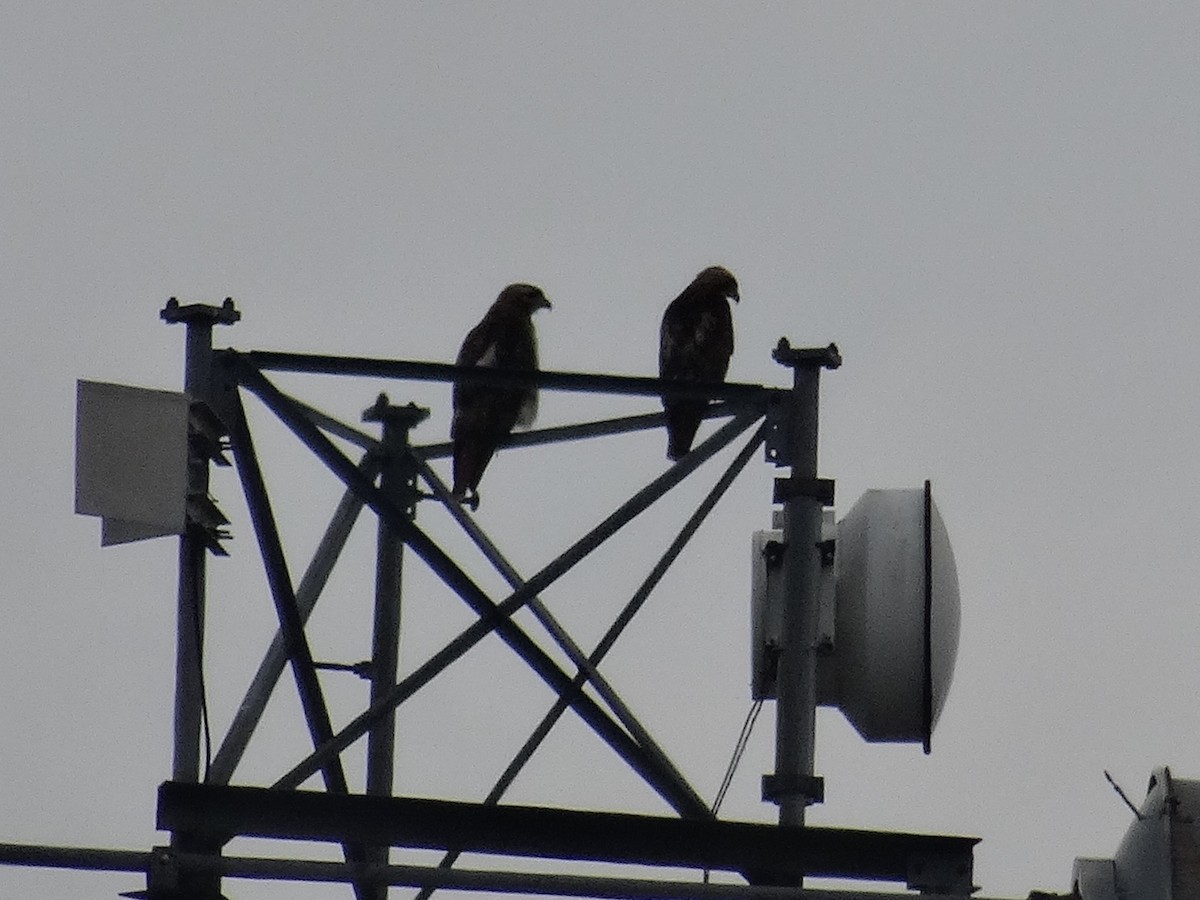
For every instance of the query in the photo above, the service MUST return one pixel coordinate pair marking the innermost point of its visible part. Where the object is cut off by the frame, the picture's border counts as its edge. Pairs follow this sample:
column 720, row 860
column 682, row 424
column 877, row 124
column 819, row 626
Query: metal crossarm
column 536, row 437
column 427, row 877
column 597, row 428
column 585, row 382
column 763, row 853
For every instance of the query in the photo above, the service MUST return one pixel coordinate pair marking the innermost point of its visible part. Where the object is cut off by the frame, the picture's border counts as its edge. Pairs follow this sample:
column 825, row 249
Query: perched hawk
column 695, row 343
column 484, row 414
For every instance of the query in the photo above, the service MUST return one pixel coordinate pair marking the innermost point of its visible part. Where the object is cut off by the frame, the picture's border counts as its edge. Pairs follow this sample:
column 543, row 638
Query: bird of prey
column 484, row 414
column 695, row 343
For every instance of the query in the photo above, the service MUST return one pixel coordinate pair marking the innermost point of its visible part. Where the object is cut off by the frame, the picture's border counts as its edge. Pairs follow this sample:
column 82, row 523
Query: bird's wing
column 696, row 341
column 479, row 346
column 502, row 341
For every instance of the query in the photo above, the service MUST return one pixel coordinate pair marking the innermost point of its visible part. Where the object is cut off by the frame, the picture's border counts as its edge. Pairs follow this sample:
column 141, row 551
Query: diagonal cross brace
column 309, row 687
column 631, row 608
column 682, row 798
column 290, row 623
column 550, row 719
column 543, row 615
column 253, row 704
column 457, row 647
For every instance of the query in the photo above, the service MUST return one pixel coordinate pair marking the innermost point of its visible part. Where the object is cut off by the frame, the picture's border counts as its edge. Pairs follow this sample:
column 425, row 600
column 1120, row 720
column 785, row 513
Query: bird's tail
column 471, row 457
column 683, row 420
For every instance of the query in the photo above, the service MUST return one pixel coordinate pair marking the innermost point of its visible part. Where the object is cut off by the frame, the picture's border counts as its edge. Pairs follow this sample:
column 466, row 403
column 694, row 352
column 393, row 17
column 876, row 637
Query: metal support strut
column 398, row 481
column 793, row 785
column 193, row 545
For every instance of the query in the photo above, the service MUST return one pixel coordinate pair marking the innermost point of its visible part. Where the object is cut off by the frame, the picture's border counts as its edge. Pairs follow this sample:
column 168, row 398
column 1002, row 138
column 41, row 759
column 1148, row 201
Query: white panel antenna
column 131, row 457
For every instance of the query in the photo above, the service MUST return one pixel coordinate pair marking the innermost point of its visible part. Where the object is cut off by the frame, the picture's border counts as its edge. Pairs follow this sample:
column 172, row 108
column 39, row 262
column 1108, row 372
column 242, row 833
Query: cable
column 1120, row 793
column 738, row 751
column 203, row 691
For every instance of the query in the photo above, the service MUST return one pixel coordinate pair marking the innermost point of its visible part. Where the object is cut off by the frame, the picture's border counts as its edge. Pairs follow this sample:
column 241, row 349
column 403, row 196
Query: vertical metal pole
column 189, row 626
column 193, row 548
column 803, row 495
column 197, row 384
column 397, row 480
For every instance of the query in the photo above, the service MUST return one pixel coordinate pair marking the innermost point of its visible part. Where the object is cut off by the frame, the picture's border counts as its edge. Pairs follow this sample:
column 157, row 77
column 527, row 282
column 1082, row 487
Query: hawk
column 484, row 414
column 695, row 344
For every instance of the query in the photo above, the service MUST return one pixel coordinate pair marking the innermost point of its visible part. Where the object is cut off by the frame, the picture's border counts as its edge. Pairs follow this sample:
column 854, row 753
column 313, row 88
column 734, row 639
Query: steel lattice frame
column 385, row 479
column 641, row 752
column 746, row 405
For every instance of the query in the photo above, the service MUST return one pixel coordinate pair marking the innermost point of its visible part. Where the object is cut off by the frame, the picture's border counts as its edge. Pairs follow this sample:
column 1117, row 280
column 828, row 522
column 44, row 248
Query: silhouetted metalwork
column 764, row 854
column 390, row 479
column 251, row 708
column 171, row 864
column 793, row 785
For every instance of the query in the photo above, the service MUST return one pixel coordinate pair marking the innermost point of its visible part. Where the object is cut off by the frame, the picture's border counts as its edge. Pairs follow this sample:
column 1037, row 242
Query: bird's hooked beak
column 543, row 303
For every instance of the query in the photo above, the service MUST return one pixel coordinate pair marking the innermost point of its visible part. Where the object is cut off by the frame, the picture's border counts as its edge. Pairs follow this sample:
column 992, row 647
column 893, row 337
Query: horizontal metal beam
column 598, row 428
column 764, row 854
column 552, row 435
column 93, row 859
column 561, row 885
column 413, row 370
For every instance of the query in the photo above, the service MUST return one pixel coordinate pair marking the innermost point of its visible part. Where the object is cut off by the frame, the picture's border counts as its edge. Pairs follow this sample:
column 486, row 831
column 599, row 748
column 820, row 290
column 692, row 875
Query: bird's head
column 720, row 280
column 528, row 297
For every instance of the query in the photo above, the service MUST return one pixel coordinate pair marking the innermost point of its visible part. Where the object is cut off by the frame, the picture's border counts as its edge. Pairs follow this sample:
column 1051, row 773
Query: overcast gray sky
column 992, row 208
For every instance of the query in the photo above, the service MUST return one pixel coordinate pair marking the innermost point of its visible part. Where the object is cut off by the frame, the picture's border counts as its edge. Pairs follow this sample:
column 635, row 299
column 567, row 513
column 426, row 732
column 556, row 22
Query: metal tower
column 203, row 811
